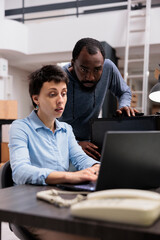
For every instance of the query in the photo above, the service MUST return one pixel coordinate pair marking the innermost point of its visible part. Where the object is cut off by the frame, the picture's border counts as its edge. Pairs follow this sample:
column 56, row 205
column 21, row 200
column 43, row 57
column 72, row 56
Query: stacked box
column 8, row 109
column 4, row 144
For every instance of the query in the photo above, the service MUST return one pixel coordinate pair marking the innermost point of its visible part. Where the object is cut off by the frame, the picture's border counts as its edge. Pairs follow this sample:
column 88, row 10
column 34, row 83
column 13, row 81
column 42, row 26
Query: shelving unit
column 8, row 113
column 2, row 122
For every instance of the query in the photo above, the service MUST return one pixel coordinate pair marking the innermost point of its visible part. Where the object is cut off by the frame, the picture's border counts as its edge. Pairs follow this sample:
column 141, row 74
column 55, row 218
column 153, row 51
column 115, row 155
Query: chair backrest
column 6, row 181
column 6, row 176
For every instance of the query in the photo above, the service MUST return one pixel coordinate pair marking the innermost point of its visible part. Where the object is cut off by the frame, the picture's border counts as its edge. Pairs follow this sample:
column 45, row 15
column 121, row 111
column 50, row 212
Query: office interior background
column 34, row 33
column 40, row 32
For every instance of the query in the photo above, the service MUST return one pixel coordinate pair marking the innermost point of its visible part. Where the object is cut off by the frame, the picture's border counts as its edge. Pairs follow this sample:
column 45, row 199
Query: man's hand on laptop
column 90, row 149
column 128, row 111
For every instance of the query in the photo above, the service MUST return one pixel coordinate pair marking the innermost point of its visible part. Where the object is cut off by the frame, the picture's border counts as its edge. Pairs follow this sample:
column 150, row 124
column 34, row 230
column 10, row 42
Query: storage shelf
column 2, row 122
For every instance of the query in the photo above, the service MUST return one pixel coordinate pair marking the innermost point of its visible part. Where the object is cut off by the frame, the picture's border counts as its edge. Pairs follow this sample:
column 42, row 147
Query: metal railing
column 56, row 10
column 75, row 8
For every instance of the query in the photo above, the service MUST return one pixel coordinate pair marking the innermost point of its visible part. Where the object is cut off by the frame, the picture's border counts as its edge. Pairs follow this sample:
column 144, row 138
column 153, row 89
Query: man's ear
column 72, row 62
column 35, row 99
column 71, row 68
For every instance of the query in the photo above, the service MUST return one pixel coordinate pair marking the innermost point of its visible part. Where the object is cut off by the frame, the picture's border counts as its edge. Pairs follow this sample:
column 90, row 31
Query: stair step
column 138, row 1
column 136, row 60
column 135, row 76
column 137, row 30
column 140, row 15
column 137, row 92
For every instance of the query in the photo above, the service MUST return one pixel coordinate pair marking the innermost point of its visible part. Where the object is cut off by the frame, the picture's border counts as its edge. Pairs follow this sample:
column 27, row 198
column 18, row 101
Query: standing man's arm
column 122, row 92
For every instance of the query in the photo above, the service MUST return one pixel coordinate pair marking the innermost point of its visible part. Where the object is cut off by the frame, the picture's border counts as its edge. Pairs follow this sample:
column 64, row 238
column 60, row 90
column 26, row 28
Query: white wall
column 2, row 7
column 155, row 28
column 60, row 35
column 14, row 36
column 20, row 91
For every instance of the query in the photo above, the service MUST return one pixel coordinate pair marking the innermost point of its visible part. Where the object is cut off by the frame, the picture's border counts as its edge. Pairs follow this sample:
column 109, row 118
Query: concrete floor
column 7, row 234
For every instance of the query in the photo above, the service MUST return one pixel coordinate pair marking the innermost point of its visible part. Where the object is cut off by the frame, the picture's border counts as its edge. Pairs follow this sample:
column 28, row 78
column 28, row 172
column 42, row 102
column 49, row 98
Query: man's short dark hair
column 92, row 46
column 47, row 73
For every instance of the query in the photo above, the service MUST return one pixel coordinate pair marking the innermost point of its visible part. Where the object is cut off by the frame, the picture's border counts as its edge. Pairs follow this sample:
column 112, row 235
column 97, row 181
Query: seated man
column 41, row 147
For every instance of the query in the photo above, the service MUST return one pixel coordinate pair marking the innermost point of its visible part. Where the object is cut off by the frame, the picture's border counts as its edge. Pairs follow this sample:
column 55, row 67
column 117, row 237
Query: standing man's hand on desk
column 129, row 111
column 90, row 149
column 88, row 174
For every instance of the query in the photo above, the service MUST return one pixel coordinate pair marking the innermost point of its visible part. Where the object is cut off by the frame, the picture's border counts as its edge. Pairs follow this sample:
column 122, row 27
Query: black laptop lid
column 101, row 125
column 130, row 159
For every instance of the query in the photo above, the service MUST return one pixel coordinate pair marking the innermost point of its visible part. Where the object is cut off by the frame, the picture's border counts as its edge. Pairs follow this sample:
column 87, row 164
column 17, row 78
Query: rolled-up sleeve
column 23, row 171
column 35, row 151
column 119, row 87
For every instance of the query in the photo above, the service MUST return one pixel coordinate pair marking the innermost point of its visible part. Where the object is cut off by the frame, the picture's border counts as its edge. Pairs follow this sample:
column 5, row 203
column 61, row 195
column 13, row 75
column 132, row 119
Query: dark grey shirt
column 82, row 106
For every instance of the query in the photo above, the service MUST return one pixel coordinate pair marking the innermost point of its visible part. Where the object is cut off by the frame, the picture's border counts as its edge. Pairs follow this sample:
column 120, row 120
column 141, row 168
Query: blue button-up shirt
column 35, row 151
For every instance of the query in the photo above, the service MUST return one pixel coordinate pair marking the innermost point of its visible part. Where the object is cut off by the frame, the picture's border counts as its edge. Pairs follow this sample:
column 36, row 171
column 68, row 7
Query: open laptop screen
column 130, row 159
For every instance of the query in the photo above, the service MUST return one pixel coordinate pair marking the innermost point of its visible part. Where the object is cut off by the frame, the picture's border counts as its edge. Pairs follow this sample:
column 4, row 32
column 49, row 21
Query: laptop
column 139, row 123
column 129, row 159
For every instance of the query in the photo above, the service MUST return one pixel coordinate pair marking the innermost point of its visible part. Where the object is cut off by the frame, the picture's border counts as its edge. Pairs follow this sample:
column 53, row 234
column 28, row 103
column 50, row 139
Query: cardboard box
column 4, row 152
column 5, row 132
column 8, row 109
column 134, row 100
column 1, row 164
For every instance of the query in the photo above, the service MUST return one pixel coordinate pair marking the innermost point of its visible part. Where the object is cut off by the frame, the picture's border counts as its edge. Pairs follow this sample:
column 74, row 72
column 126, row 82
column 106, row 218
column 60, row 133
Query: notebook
column 129, row 159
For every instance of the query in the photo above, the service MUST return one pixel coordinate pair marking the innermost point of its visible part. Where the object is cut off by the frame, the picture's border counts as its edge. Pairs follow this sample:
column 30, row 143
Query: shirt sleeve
column 119, row 87
column 23, row 171
column 76, row 155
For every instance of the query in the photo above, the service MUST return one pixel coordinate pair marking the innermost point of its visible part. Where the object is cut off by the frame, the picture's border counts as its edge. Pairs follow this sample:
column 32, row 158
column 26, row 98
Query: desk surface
column 19, row 205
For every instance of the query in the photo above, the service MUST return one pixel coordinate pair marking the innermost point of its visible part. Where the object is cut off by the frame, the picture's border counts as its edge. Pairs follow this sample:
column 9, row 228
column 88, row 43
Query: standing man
column 90, row 76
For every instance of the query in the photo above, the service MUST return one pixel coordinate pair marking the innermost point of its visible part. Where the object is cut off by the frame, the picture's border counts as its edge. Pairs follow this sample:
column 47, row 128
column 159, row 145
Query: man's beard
column 87, row 89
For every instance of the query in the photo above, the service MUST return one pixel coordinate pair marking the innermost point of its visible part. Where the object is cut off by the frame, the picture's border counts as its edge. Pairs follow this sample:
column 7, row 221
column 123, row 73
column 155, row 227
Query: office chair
column 6, row 181
column 6, row 176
